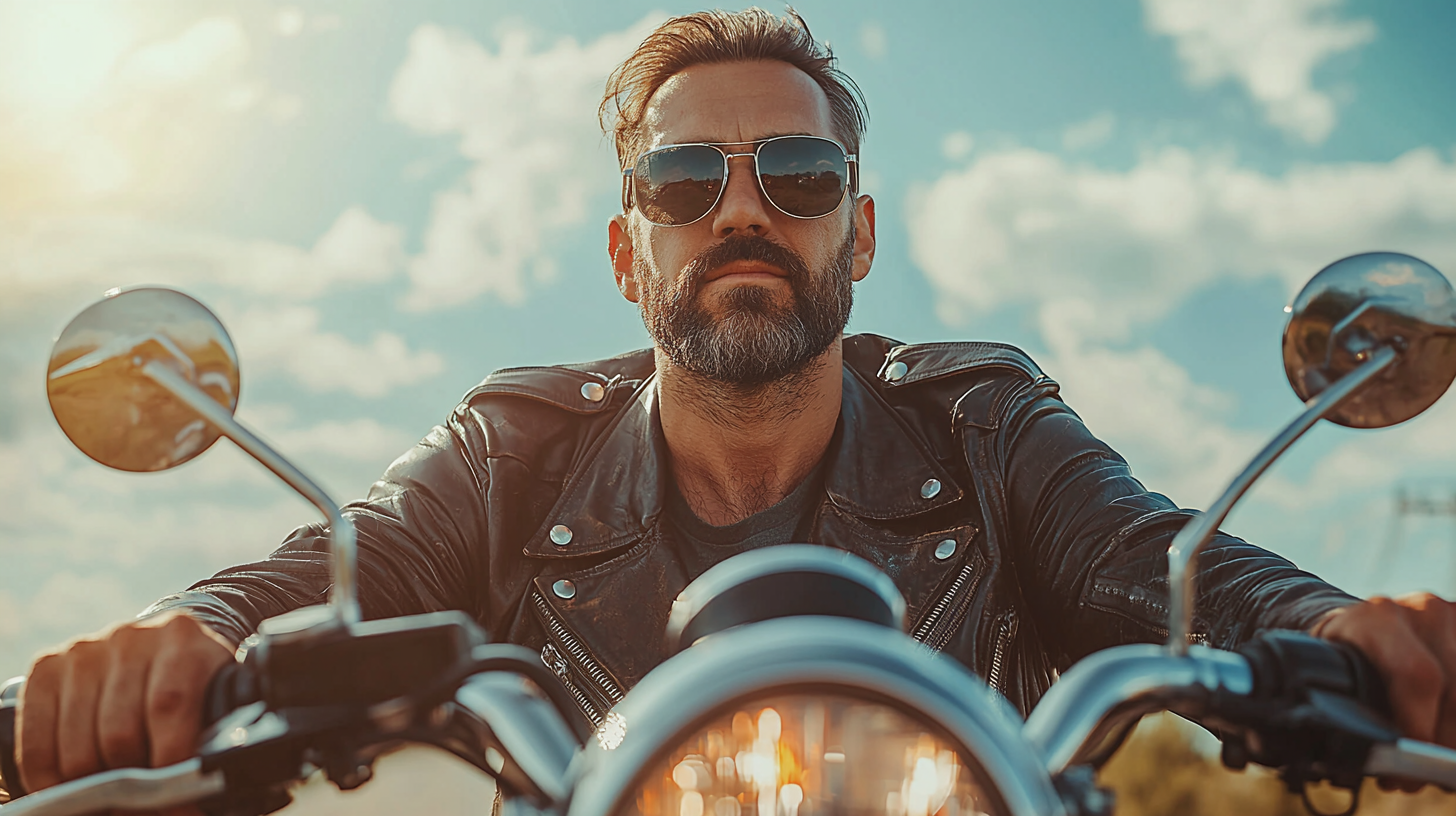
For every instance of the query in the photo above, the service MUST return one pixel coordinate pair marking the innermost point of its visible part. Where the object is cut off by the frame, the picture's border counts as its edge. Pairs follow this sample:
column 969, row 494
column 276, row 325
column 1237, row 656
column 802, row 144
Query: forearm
column 1092, row 542
column 417, row 550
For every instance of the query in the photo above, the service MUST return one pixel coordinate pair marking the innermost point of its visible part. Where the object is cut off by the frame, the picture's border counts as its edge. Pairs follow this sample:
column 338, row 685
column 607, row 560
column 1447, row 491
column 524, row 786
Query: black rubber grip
column 234, row 686
column 1291, row 664
column 9, row 771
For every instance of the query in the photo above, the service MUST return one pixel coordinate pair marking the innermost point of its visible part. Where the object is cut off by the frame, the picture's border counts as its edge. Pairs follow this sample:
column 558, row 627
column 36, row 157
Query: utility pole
column 1407, row 505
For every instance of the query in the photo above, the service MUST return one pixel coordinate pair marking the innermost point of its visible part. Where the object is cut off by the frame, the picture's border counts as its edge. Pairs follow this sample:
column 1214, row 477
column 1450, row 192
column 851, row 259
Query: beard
column 755, row 339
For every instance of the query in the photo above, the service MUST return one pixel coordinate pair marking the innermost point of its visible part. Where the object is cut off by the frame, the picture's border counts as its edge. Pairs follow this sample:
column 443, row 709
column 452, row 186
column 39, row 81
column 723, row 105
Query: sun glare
column 55, row 56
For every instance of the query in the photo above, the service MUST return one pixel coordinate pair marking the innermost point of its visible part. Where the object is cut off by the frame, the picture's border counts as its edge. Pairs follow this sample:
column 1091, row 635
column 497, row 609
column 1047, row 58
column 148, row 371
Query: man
column 565, row 507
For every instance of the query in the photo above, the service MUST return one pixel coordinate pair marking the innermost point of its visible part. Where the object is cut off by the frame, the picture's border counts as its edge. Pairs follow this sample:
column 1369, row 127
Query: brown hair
column 720, row 36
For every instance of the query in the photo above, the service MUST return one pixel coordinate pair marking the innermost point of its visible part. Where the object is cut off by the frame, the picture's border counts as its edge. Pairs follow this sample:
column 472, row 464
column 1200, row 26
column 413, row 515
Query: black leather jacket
column 1020, row 541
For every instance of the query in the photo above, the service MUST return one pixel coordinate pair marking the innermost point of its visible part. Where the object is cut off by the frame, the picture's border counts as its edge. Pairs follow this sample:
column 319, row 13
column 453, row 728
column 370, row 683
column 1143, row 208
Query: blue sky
column 385, row 202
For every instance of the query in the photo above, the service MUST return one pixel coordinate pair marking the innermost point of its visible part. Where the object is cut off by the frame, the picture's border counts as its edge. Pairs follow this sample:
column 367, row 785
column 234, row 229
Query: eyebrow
column 772, row 135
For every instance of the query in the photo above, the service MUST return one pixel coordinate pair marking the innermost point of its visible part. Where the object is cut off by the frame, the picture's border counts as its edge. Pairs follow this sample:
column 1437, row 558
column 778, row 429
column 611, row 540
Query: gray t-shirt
column 787, row 522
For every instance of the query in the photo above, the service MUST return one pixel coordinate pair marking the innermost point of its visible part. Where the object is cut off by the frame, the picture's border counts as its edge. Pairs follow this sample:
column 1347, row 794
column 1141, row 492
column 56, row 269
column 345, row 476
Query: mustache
column 754, row 248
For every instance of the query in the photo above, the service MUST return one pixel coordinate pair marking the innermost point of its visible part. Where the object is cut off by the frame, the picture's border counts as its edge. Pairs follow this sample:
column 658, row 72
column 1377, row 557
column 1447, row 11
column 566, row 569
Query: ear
column 619, row 248
column 864, row 237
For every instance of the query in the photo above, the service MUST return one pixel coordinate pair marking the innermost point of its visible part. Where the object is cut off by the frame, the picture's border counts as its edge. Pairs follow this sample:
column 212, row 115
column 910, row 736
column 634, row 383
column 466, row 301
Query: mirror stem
column 342, row 545
column 1182, row 586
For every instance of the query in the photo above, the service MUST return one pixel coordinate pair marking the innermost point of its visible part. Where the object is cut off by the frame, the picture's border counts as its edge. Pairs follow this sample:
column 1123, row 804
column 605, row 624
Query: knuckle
column 166, row 701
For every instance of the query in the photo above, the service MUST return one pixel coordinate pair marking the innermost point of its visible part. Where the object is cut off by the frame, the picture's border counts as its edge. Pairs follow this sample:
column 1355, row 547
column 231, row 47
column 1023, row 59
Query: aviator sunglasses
column 801, row 176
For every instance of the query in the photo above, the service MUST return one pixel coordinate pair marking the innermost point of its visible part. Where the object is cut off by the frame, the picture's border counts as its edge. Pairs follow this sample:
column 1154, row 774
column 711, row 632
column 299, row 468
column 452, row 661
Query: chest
column 599, row 626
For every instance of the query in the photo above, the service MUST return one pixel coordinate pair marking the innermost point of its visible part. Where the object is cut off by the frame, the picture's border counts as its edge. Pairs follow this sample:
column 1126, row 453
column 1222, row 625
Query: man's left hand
column 1412, row 642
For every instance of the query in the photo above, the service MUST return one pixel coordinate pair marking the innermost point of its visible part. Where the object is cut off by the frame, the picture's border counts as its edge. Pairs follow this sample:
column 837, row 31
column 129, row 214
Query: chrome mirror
column 115, row 413
column 1358, row 304
column 147, row 378
column 1371, row 342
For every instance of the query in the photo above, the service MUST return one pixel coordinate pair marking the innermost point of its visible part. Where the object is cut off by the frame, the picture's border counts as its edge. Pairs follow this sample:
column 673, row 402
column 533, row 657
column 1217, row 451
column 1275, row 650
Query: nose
column 742, row 209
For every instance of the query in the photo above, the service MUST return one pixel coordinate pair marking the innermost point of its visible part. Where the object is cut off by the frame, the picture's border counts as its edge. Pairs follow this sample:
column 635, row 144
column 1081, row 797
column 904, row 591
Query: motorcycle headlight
column 807, row 755
column 795, row 692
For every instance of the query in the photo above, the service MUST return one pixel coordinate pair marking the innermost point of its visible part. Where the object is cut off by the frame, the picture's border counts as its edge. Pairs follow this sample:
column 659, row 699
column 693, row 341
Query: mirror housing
column 114, row 412
column 1361, row 303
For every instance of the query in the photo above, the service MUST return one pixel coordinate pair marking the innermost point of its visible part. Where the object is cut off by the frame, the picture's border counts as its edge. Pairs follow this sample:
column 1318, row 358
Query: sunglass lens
column 803, row 176
column 678, row 185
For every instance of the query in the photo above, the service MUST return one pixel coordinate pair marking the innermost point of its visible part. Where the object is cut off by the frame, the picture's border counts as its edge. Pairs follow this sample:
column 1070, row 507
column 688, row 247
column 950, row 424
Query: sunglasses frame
column 851, row 186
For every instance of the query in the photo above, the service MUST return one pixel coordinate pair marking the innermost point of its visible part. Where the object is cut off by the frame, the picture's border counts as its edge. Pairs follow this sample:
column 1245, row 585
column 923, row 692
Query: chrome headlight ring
column 822, row 655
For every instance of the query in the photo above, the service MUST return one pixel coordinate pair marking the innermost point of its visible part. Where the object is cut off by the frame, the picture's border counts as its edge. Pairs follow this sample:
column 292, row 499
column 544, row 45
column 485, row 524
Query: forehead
column 736, row 102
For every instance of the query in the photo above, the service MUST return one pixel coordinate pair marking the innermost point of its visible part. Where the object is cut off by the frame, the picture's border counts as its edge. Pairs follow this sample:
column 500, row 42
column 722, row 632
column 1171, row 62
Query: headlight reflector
column 812, row 755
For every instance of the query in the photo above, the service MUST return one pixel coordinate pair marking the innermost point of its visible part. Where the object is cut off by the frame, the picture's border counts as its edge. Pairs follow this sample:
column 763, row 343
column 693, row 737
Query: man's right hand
column 128, row 696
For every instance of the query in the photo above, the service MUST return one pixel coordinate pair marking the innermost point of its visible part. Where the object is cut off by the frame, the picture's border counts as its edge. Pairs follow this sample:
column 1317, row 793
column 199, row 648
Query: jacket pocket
column 564, row 653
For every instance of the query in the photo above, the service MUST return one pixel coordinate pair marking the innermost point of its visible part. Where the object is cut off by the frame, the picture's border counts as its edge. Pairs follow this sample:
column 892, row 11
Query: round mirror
column 1361, row 303
column 105, row 402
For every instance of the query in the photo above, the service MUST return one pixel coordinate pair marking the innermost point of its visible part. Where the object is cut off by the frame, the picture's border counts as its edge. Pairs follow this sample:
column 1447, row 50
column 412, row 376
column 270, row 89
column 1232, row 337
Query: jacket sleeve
column 421, row 533
column 1091, row 546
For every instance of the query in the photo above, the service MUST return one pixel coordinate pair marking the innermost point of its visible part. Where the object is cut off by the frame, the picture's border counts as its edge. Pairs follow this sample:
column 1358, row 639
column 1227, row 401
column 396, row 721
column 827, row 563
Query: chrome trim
column 787, row 653
column 526, row 726
column 851, row 170
column 1084, row 715
column 344, row 596
column 1413, row 759
column 124, row 789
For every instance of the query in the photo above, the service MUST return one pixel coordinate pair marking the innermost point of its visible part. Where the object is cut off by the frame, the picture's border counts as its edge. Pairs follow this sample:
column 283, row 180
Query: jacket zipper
column 956, row 600
column 599, row 693
column 1005, row 628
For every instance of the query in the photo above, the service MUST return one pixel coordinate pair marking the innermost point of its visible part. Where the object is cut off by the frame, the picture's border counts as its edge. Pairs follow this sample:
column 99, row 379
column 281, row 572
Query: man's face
column 747, row 294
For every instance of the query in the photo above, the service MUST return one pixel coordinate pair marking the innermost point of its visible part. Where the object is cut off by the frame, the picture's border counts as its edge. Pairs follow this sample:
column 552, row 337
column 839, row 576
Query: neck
column 739, row 450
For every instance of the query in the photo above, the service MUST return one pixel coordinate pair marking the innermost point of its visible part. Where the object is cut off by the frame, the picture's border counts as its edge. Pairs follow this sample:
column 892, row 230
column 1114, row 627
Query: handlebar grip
column 234, row 686
column 1288, row 665
column 9, row 769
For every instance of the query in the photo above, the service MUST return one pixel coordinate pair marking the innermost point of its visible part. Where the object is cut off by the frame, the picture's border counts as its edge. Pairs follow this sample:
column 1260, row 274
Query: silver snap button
column 945, row 549
column 930, row 489
column 593, row 392
column 561, row 535
column 564, row 589
column 896, row 371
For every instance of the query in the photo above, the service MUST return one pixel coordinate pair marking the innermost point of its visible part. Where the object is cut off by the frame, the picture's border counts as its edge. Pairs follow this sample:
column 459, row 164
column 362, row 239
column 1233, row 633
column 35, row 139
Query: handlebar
column 1313, row 709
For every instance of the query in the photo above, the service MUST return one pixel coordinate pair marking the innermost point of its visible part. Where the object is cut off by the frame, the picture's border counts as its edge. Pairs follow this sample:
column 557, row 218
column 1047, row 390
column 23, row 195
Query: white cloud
column 1027, row 226
column 1100, row 254
column 40, row 257
column 872, row 40
column 525, row 118
column 359, row 440
column 957, row 145
column 1091, row 133
column 289, row 339
column 1271, row 48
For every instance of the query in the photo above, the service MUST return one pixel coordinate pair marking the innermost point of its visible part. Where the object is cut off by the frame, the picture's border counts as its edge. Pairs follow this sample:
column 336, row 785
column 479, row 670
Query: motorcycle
column 793, row 689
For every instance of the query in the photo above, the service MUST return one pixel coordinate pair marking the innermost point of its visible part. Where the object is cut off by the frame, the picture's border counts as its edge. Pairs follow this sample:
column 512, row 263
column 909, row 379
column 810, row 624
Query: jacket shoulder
column 969, row 378
column 921, row 362
column 580, row 388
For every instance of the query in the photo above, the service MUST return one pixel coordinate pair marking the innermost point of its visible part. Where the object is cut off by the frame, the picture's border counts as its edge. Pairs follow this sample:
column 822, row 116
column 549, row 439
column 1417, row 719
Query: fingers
column 175, row 688
column 36, row 724
column 121, row 724
column 85, row 670
column 1434, row 621
column 129, row 696
column 1414, row 675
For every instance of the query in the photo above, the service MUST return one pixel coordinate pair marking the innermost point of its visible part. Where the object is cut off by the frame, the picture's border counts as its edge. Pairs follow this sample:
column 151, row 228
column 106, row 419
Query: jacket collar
column 876, row 469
